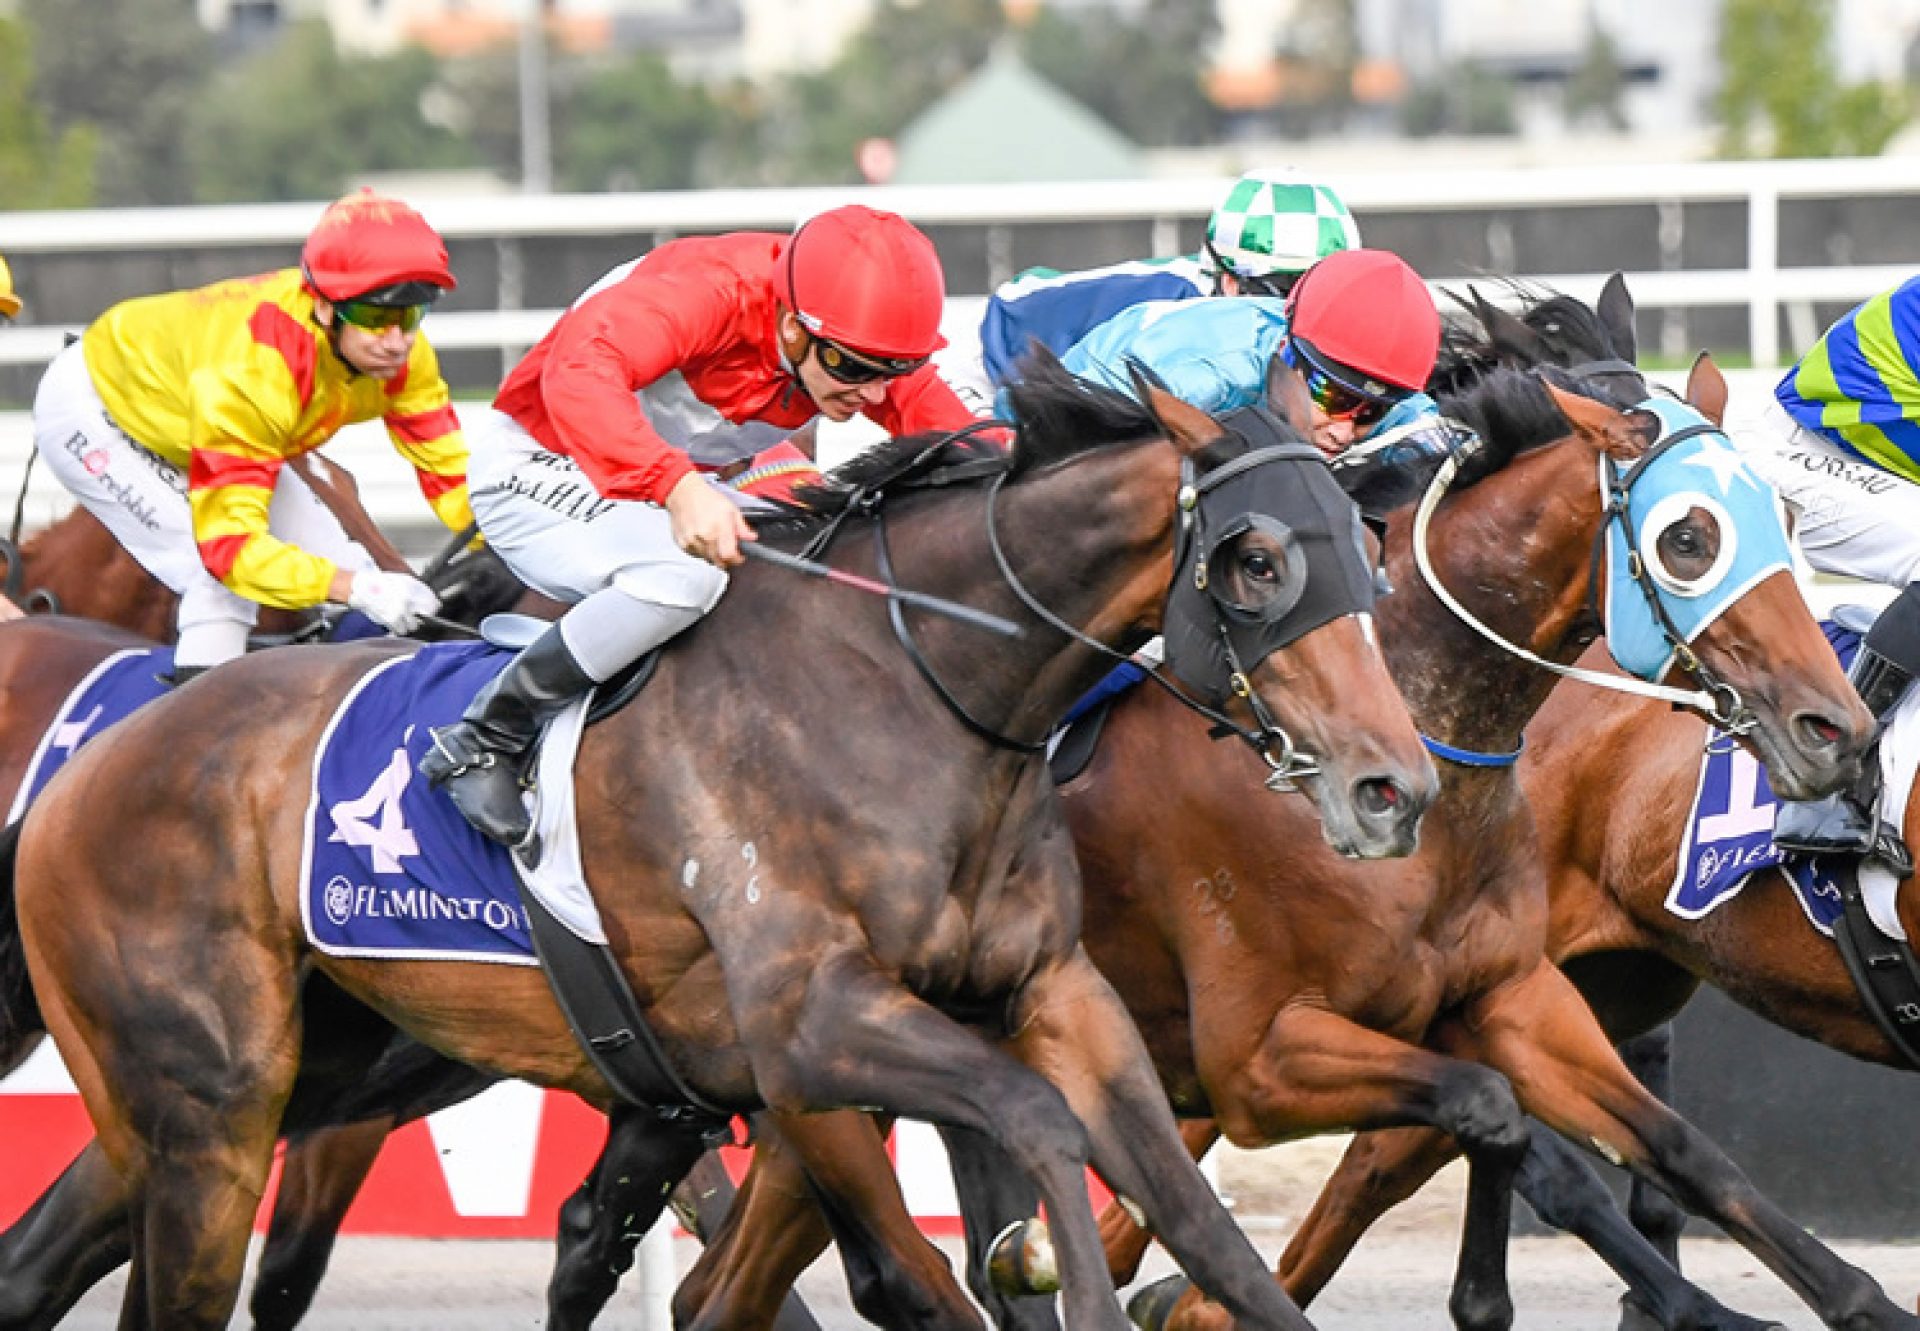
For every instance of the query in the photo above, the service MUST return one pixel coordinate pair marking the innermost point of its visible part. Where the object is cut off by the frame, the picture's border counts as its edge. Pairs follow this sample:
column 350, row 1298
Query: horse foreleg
column 758, row 1240
column 622, row 1198
column 1072, row 1026
column 1544, row 1037
column 1317, row 1071
column 1377, row 1172
column 74, row 1234
column 999, row 1210
column 856, row 1037
column 896, row 1277
column 319, row 1179
column 1565, row 1192
column 1654, row 1214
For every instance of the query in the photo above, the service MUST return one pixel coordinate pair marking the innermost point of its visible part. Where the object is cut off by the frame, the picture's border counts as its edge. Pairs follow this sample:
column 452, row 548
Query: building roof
column 1005, row 123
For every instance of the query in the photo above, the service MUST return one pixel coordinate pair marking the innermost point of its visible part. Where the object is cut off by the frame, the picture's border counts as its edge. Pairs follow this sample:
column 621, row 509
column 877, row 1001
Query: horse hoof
column 1152, row 1306
column 1020, row 1259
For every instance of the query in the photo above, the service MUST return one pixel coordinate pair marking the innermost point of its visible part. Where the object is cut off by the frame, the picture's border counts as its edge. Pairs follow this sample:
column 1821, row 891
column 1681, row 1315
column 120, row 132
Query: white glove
column 395, row 601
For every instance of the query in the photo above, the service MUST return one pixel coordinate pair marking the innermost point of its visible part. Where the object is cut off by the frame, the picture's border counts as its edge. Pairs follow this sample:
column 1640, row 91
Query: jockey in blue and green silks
column 1843, row 450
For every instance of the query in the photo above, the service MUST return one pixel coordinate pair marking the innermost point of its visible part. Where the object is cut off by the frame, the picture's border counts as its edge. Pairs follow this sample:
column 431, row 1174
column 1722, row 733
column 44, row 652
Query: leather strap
column 600, row 1008
column 1883, row 969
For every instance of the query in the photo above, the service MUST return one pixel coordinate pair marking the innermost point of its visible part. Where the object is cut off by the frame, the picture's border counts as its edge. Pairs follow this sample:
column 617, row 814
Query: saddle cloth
column 1729, row 835
column 390, row 869
column 118, row 686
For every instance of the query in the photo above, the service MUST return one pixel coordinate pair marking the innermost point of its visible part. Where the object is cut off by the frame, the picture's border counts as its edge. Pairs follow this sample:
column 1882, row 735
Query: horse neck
column 1090, row 539
column 1515, row 550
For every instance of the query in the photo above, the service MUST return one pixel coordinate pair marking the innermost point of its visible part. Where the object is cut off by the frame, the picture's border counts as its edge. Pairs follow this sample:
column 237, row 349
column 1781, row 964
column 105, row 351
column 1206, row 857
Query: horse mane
column 1482, row 383
column 1057, row 415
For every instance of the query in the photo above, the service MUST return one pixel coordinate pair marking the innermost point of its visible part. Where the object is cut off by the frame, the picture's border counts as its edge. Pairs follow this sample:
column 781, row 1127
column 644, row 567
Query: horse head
column 1683, row 560
column 1269, row 607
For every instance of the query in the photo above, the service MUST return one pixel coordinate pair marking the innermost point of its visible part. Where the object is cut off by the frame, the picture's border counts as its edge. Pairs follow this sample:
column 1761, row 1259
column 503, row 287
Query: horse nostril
column 1377, row 795
column 1817, row 732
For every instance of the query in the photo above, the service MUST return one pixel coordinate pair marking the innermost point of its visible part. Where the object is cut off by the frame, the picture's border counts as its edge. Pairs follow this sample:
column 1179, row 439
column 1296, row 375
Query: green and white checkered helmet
column 1277, row 222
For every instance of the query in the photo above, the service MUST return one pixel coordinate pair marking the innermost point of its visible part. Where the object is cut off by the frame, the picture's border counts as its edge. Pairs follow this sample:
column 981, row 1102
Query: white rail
column 1761, row 286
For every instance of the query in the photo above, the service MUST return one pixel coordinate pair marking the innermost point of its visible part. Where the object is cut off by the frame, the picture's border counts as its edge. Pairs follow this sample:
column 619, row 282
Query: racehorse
column 930, row 878
column 1282, row 993
column 1611, row 863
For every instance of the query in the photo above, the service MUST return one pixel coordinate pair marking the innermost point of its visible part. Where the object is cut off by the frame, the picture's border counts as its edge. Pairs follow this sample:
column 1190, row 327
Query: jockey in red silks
column 587, row 474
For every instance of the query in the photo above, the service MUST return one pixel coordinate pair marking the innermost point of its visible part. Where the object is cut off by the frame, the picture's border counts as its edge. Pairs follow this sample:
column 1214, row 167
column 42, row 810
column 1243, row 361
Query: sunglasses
column 379, row 318
column 850, row 367
column 1338, row 402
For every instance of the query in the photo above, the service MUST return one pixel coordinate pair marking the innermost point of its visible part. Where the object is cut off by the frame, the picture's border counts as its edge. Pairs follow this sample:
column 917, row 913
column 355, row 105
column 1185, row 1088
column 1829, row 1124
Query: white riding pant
column 142, row 499
column 1850, row 517
column 632, row 586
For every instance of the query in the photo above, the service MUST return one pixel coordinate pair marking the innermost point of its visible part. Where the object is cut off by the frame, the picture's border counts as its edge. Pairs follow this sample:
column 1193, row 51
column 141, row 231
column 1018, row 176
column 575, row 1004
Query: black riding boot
column 1848, row 822
column 481, row 758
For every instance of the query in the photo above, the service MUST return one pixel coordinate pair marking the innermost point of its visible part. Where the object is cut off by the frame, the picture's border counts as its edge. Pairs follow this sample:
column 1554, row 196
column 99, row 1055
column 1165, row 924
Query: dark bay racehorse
column 929, row 879
column 1284, row 993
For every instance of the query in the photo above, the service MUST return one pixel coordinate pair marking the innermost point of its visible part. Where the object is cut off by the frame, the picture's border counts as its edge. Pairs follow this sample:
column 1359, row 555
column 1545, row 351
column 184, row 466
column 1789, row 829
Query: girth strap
column 1883, row 968
column 606, row 1019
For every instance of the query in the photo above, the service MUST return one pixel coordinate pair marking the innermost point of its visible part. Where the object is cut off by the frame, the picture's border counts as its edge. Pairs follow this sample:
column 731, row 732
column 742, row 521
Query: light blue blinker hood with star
column 1701, row 470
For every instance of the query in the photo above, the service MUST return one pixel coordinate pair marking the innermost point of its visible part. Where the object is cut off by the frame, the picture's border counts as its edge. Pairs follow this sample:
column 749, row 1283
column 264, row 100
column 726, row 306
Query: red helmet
column 865, row 279
column 365, row 244
column 1366, row 311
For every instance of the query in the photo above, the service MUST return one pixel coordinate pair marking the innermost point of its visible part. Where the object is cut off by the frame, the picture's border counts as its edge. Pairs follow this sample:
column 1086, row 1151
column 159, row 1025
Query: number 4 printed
column 390, row 839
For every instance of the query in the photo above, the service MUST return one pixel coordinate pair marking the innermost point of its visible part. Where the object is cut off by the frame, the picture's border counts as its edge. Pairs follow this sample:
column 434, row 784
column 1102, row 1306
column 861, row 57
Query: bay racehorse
column 1611, row 849
column 1283, row 993
column 928, row 883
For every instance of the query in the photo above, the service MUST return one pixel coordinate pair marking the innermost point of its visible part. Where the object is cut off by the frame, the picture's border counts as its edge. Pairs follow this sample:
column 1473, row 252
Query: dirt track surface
column 1397, row 1280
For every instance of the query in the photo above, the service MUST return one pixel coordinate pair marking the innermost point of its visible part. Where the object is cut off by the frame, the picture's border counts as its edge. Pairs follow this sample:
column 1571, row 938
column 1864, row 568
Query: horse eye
column 1259, row 565
column 1689, row 546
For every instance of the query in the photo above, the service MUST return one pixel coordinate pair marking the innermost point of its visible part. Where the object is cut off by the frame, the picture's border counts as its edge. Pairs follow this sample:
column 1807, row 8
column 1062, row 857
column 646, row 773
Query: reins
column 1270, row 740
column 1718, row 701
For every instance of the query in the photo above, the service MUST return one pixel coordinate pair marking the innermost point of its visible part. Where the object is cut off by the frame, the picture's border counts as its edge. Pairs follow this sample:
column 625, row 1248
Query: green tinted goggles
column 379, row 318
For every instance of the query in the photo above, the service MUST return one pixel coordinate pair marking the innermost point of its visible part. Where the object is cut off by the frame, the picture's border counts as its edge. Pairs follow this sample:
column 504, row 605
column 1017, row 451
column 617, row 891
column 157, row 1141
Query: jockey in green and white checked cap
column 1277, row 223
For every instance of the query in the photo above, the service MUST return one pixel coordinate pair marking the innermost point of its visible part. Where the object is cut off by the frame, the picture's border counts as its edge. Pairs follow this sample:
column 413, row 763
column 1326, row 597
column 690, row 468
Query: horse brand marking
column 751, row 854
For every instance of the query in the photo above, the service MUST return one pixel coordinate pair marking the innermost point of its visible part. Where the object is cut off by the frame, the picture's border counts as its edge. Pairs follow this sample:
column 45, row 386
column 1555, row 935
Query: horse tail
column 20, row 1019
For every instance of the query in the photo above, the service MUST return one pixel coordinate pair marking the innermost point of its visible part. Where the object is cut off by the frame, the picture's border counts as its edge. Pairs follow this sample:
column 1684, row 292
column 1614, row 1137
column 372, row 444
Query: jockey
column 173, row 417
column 1360, row 327
column 587, row 477
column 1843, row 449
column 1362, row 330
column 1271, row 227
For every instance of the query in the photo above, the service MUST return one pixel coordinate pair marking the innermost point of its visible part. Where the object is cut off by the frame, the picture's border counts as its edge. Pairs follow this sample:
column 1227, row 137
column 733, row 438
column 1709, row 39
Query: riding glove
column 395, row 600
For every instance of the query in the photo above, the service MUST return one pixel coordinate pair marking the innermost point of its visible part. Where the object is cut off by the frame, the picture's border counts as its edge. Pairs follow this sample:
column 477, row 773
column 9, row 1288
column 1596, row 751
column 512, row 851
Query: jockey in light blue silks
column 1271, row 227
column 1842, row 446
column 1360, row 327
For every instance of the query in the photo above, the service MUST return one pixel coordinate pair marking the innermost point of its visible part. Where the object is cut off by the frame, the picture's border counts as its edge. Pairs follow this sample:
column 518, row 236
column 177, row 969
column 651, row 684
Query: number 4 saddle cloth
column 390, row 867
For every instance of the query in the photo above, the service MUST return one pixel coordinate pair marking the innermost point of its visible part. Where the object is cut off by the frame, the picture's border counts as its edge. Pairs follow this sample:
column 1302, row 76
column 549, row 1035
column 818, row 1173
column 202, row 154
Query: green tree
column 806, row 129
column 1594, row 92
column 37, row 168
column 1781, row 94
column 1141, row 77
column 1463, row 99
column 296, row 121
column 633, row 126
column 131, row 70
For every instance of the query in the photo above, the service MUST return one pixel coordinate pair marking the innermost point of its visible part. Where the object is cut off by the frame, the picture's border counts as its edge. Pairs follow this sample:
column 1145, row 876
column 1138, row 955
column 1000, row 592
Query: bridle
column 1285, row 761
column 1715, row 699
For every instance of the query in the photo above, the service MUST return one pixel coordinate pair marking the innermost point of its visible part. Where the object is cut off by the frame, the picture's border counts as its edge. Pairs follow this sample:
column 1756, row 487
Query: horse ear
column 1190, row 428
column 1513, row 341
column 1615, row 311
column 1287, row 396
column 1707, row 388
column 1609, row 430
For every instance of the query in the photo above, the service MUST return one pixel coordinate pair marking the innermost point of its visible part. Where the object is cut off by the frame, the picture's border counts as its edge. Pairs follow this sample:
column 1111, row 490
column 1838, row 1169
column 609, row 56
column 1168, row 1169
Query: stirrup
column 1891, row 852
